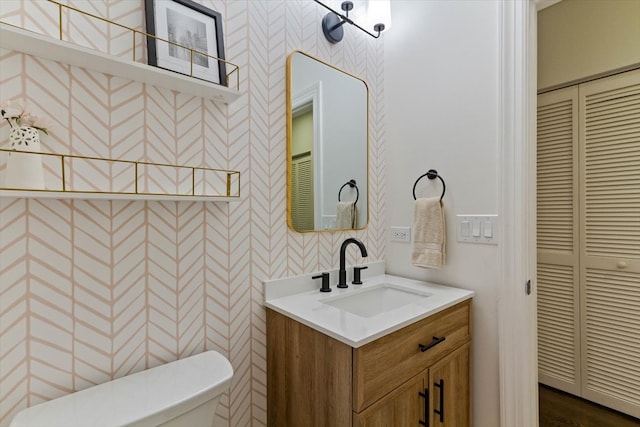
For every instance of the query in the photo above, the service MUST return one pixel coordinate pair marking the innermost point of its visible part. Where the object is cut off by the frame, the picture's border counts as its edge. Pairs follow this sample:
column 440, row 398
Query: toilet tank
column 184, row 392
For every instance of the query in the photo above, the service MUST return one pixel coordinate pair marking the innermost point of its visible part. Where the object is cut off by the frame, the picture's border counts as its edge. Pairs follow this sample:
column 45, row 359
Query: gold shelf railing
column 235, row 68
column 229, row 179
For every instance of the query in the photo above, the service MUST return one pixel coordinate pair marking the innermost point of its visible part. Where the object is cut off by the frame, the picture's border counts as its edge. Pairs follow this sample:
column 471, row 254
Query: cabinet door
column 405, row 406
column 450, row 391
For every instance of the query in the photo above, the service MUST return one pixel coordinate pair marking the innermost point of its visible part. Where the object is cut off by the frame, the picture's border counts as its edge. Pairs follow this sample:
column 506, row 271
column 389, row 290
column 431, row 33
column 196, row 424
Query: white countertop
column 307, row 306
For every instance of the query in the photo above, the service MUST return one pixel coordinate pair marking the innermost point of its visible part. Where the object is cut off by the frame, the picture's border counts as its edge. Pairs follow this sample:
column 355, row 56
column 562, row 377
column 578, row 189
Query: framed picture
column 189, row 24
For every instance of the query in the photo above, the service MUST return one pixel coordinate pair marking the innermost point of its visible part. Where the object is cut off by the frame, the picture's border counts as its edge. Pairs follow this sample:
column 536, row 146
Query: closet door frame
column 517, row 323
column 517, row 333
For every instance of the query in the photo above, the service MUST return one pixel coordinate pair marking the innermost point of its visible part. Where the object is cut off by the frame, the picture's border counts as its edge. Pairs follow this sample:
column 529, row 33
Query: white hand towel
column 429, row 234
column 346, row 215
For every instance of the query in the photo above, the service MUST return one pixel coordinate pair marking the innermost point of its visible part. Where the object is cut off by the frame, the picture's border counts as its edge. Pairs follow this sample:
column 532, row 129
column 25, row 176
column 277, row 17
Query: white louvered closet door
column 557, row 236
column 610, row 240
column 302, row 193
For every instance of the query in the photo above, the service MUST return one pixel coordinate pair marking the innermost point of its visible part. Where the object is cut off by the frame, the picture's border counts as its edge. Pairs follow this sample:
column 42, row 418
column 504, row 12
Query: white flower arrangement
column 17, row 115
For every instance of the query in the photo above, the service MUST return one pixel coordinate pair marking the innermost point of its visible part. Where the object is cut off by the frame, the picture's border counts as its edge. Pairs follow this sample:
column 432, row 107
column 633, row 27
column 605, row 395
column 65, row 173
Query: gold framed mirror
column 327, row 146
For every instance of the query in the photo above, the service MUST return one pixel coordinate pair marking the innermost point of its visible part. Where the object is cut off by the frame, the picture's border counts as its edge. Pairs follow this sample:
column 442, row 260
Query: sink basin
column 375, row 300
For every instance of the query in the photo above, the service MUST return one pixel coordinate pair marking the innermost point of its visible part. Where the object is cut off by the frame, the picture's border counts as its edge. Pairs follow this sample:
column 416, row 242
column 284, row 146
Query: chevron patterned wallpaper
column 94, row 290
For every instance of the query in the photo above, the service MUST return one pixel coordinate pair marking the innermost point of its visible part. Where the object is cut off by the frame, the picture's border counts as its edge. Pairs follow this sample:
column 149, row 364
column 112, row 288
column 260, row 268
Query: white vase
column 24, row 171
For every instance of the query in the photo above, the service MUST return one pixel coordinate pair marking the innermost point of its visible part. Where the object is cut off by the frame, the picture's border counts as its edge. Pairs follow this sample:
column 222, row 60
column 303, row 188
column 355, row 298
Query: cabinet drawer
column 384, row 364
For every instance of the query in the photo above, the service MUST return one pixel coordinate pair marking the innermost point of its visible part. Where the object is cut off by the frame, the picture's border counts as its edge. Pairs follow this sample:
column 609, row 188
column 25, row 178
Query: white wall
column 441, row 101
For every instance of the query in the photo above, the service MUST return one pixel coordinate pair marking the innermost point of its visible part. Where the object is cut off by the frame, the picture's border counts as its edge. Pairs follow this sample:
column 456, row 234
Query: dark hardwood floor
column 559, row 409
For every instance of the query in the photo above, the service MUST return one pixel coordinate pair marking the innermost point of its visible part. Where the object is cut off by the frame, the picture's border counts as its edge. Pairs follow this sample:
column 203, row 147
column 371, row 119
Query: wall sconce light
column 378, row 16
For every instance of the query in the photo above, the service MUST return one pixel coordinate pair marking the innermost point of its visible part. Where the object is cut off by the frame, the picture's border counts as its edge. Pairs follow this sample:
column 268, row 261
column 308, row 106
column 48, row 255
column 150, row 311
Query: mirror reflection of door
column 302, row 169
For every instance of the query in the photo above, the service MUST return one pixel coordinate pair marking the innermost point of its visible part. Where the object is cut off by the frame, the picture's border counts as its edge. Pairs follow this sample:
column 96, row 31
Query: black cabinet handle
column 440, row 412
column 433, row 343
column 426, row 408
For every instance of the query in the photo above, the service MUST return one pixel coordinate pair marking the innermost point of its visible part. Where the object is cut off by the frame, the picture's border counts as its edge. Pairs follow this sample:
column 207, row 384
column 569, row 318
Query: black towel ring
column 431, row 174
column 351, row 183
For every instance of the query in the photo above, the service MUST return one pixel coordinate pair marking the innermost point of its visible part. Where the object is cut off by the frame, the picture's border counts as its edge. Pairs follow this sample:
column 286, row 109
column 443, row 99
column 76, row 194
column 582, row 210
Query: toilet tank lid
column 159, row 393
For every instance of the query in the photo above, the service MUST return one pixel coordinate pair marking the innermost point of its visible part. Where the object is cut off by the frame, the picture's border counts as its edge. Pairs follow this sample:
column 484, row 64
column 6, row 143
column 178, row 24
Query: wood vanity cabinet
column 398, row 380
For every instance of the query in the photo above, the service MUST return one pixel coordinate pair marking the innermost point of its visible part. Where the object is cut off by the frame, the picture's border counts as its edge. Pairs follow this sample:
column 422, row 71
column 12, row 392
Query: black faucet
column 342, row 274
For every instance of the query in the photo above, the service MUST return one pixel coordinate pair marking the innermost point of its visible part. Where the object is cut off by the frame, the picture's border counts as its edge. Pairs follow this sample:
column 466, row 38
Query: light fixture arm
column 343, row 18
column 343, row 21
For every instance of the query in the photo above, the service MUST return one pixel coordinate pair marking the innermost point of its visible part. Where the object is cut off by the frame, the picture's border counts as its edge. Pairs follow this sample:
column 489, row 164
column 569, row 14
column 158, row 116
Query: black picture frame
column 189, row 24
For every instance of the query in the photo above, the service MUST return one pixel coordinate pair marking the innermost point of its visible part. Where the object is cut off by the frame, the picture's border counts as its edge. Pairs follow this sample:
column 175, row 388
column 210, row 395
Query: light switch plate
column 477, row 229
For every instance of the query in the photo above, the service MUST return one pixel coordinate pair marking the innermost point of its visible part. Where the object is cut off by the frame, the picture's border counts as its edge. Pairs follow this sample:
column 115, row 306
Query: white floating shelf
column 20, row 40
column 44, row 194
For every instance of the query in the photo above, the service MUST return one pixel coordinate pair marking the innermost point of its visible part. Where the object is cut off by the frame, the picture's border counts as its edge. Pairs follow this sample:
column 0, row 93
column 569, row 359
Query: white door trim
column 311, row 97
column 517, row 329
